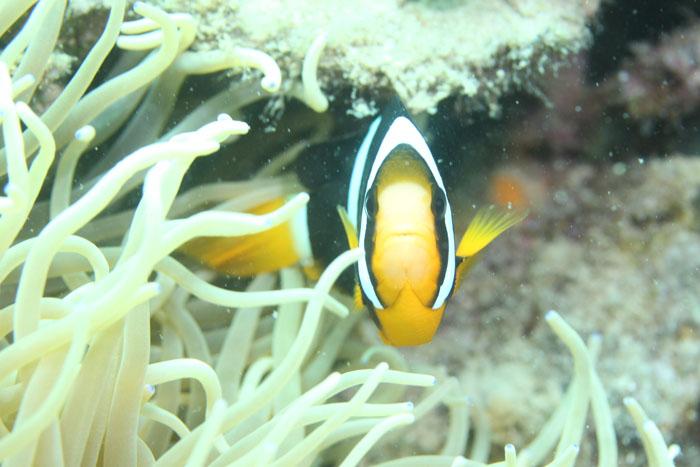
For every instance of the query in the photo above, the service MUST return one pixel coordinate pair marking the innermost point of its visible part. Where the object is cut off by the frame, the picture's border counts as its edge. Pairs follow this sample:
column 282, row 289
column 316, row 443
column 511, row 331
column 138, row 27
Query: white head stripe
column 300, row 237
column 403, row 131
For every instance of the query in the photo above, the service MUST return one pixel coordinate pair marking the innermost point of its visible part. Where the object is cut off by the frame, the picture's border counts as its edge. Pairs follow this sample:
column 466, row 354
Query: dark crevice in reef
column 623, row 21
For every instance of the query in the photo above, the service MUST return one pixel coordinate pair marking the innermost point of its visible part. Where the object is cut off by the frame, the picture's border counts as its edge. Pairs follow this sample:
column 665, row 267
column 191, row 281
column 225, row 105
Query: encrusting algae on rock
column 476, row 49
column 116, row 353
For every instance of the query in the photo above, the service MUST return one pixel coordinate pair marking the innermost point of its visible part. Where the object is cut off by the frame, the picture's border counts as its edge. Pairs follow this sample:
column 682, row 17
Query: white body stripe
column 357, row 170
column 401, row 131
column 300, row 236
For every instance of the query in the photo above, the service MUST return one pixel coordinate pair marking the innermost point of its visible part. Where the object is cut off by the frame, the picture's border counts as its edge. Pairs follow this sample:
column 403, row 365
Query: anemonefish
column 395, row 206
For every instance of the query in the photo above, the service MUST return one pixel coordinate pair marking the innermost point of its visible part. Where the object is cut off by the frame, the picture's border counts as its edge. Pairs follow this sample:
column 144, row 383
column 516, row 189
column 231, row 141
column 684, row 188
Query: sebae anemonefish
column 394, row 204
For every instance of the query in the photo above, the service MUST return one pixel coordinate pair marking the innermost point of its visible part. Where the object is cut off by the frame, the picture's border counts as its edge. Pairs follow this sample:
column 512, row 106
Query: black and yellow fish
column 393, row 203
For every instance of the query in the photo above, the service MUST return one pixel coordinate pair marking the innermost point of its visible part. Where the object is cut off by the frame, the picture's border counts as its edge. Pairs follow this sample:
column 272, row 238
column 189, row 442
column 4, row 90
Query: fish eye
column 439, row 203
column 371, row 205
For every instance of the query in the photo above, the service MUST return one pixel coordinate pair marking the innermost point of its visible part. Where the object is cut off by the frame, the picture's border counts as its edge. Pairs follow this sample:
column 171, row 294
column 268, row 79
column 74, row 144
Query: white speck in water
column 619, row 168
column 561, row 197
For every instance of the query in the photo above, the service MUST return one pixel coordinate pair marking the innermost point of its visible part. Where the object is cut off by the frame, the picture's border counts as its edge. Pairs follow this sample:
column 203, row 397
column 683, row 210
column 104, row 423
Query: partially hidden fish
column 393, row 204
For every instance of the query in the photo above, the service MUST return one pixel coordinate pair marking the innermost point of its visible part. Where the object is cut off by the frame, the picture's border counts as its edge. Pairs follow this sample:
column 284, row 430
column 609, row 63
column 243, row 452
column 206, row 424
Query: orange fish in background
column 507, row 190
column 519, row 184
column 393, row 203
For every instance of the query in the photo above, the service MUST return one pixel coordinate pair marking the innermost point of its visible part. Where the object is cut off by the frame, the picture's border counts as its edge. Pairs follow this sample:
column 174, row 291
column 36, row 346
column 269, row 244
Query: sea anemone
column 108, row 332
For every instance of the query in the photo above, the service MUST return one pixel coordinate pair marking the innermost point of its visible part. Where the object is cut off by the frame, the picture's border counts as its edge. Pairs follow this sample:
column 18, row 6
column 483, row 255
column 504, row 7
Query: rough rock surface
column 425, row 50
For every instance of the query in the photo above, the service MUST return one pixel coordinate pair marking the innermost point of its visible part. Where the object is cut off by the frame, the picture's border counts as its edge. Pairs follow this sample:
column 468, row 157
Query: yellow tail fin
column 248, row 255
column 488, row 224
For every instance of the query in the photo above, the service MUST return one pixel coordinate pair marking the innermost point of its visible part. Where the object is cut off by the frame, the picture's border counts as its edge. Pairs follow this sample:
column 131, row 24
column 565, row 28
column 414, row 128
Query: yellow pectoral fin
column 488, row 224
column 463, row 269
column 349, row 229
